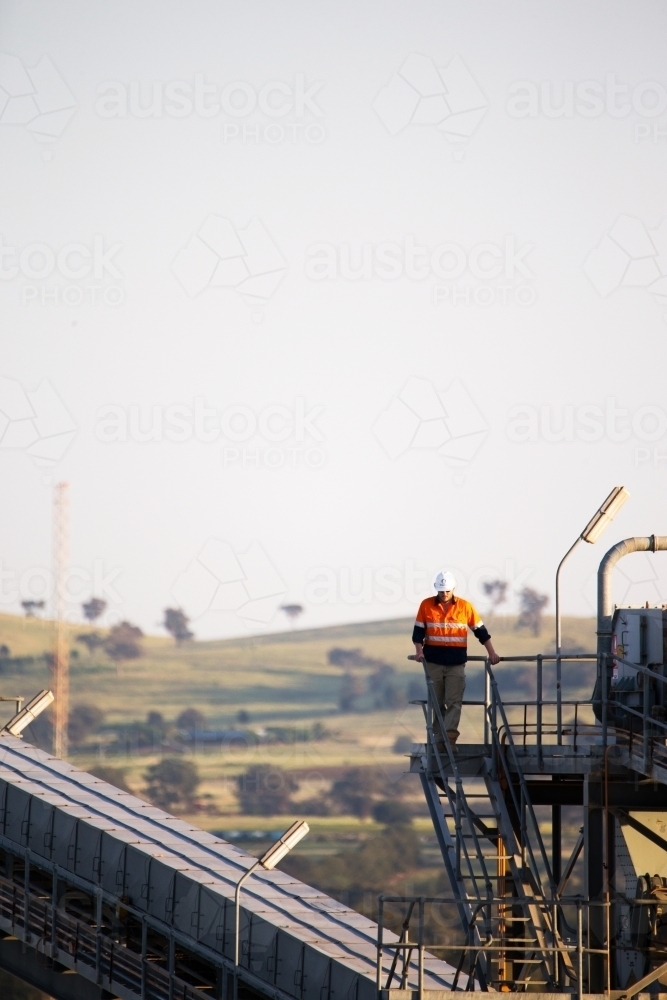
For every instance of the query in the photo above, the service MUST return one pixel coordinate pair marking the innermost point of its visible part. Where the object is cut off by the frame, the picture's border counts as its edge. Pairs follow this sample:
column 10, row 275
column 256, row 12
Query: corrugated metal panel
column 17, row 814
column 289, row 964
column 186, row 904
column 212, row 919
column 41, row 827
column 262, row 948
column 316, row 972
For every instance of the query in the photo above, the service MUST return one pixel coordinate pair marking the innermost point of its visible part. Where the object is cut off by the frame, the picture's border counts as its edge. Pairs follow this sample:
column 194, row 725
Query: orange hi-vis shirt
column 442, row 627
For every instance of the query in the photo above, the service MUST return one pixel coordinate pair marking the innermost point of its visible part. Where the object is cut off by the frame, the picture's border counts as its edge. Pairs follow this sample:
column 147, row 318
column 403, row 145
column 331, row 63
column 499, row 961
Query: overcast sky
column 307, row 301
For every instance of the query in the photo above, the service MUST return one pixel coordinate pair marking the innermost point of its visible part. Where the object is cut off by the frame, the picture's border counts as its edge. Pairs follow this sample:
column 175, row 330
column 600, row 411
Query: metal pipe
column 650, row 543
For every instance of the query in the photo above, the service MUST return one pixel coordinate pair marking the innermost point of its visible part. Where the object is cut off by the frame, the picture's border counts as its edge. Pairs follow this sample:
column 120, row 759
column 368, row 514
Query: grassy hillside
column 278, row 680
column 287, row 680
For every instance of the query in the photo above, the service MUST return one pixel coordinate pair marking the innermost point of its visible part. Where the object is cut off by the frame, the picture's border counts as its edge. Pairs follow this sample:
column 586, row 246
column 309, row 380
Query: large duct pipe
column 652, row 543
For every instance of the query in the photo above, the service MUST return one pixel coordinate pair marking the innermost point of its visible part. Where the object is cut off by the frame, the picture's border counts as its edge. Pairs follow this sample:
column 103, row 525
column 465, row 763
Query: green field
column 286, row 680
column 282, row 680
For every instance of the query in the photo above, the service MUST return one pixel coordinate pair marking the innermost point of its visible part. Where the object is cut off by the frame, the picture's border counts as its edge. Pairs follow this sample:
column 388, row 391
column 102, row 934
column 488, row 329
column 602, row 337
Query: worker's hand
column 419, row 654
column 493, row 656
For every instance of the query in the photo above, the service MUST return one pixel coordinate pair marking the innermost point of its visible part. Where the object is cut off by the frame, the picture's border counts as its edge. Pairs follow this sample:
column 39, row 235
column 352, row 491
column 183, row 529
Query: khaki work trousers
column 449, row 683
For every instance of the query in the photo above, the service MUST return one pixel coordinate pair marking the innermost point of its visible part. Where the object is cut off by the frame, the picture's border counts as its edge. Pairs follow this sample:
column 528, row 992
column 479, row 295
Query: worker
column 440, row 636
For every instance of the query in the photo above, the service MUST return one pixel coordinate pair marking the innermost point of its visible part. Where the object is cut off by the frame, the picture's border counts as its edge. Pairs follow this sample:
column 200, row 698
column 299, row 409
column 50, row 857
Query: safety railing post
column 603, row 689
column 559, row 700
column 538, row 712
column 580, row 952
column 144, row 942
column 172, row 968
column 645, row 720
column 26, row 899
column 429, row 720
column 98, row 938
column 420, row 981
column 487, row 699
column 54, row 917
column 494, row 730
column 554, row 937
column 378, row 975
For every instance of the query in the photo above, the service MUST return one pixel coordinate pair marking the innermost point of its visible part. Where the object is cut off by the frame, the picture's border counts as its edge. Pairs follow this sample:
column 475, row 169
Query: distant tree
column 351, row 687
column 155, row 720
column 496, row 591
column 93, row 609
column 266, row 791
column 531, row 605
column 91, row 640
column 114, row 775
column 243, row 717
column 84, row 719
column 32, row 607
column 416, row 689
column 176, row 624
column 338, row 656
column 191, row 719
column 4, row 652
column 122, row 643
column 382, row 682
column 391, row 813
column 353, row 792
column 172, row 783
column 402, row 744
column 292, row 611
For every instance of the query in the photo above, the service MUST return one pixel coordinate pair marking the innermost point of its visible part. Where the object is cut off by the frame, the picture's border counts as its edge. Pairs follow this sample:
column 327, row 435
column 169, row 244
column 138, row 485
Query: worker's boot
column 452, row 736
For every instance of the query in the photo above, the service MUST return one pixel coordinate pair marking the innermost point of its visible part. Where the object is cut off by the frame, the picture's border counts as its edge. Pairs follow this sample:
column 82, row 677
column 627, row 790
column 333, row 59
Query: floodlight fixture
column 605, row 515
column 22, row 720
column 289, row 839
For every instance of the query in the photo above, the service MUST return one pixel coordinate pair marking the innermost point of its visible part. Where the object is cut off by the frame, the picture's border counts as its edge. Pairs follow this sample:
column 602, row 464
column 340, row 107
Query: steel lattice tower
column 61, row 640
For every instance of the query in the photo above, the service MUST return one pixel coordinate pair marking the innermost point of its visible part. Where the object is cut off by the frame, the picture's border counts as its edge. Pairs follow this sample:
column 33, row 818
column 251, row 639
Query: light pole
column 268, row 861
column 602, row 518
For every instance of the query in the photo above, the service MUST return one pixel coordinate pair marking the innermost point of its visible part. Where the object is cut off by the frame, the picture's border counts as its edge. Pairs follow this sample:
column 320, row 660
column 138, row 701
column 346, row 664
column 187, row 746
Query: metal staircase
column 493, row 848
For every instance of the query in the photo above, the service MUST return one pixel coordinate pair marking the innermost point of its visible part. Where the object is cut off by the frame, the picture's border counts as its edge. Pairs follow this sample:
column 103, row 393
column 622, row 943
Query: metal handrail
column 491, row 944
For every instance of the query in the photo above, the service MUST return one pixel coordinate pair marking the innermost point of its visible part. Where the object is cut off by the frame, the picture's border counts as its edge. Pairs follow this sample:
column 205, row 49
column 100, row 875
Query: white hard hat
column 444, row 581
